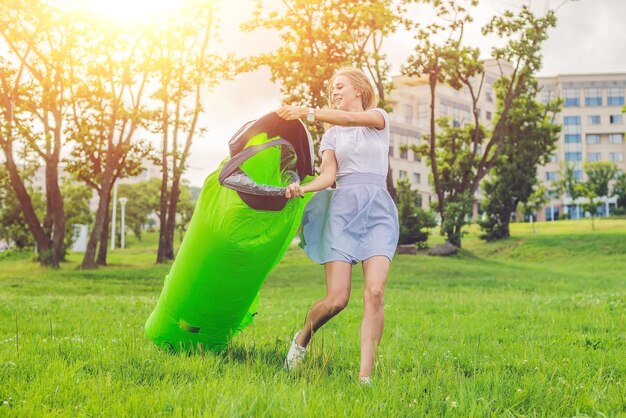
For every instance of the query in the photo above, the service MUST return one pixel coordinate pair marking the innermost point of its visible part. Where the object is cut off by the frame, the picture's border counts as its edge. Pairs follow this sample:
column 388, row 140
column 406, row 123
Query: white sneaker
column 296, row 354
column 365, row 381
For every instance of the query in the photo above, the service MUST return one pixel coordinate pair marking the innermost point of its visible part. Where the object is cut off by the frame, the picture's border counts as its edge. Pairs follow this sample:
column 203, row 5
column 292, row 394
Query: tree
column 185, row 71
column 530, row 139
column 413, row 219
column 107, row 113
column 320, row 36
column 590, row 204
column 186, row 207
column 537, row 199
column 619, row 190
column 599, row 175
column 461, row 156
column 145, row 201
column 567, row 183
column 34, row 87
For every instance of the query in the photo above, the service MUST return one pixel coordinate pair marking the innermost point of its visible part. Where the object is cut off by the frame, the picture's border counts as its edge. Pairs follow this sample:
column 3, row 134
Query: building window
column 616, row 119
column 552, row 213
column 616, row 157
column 423, row 115
column 571, row 98
column 489, row 93
column 573, row 156
column 593, row 97
column 554, row 158
column 551, row 175
column 391, row 150
column 593, row 139
column 616, row 138
column 593, row 119
column 578, row 174
column 417, row 178
column 593, row 156
column 547, row 95
column 571, row 120
column 572, row 139
column 402, row 174
column 408, row 114
column 615, row 96
column 404, row 153
column 488, row 115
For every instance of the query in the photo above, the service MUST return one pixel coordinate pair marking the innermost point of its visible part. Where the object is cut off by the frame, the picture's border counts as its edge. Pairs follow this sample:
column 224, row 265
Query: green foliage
column 320, row 36
column 457, row 213
column 13, row 228
column 591, row 203
column 619, row 190
column 529, row 140
column 413, row 219
column 460, row 156
column 184, row 209
column 503, row 330
column 143, row 201
column 567, row 183
column 599, row 175
column 537, row 199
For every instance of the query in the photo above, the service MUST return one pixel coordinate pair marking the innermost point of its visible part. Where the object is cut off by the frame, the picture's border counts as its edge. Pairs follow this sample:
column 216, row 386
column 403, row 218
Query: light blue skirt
column 351, row 223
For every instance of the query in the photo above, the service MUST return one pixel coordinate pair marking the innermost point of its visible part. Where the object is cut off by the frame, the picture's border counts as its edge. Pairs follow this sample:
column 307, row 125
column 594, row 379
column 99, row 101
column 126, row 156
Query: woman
column 357, row 221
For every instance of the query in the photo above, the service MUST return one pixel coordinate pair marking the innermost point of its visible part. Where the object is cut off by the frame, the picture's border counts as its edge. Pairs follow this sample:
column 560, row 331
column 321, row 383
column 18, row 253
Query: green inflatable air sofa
column 241, row 227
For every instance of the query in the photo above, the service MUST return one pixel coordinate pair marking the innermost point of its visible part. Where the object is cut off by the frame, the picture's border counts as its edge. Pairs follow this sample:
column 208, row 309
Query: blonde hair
column 359, row 81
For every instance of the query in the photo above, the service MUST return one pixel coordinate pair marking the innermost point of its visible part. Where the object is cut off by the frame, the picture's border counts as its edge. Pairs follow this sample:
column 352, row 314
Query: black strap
column 234, row 163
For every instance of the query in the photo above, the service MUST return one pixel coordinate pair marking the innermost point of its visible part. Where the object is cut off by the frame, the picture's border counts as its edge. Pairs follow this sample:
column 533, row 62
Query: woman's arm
column 328, row 173
column 368, row 118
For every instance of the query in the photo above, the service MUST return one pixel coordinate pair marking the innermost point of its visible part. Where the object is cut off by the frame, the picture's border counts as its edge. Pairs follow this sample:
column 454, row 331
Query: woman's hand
column 294, row 190
column 292, row 112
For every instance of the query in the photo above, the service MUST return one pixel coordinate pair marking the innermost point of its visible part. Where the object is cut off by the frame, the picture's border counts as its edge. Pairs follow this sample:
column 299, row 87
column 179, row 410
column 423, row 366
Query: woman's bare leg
column 338, row 281
column 375, row 270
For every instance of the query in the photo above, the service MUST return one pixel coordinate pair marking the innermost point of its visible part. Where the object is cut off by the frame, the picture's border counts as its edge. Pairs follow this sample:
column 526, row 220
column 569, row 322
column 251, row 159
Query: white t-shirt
column 359, row 149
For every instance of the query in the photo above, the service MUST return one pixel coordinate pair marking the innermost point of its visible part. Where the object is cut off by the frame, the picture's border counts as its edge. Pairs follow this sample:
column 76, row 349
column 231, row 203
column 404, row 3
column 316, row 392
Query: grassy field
column 531, row 326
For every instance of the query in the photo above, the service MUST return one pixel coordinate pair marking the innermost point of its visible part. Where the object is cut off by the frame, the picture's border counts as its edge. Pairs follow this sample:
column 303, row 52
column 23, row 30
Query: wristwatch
column 310, row 117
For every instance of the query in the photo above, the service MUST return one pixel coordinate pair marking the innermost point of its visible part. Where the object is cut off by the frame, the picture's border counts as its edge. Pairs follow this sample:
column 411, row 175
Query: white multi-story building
column 593, row 130
column 593, row 127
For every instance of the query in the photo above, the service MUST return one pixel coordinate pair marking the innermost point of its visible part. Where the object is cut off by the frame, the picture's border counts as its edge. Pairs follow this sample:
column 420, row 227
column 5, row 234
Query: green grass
column 531, row 326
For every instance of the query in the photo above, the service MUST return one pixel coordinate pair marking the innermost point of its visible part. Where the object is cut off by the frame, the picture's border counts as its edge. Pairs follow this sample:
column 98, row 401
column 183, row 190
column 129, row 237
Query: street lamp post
column 114, row 211
column 123, row 201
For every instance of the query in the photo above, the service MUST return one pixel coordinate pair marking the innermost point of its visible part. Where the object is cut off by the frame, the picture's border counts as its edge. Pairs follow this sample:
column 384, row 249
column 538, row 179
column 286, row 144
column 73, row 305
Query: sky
column 589, row 38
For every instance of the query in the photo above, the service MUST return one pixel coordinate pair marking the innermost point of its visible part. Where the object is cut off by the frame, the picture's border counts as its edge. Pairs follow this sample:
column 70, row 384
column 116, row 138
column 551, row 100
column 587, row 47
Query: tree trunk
column 161, row 251
column 506, row 221
column 54, row 202
column 103, row 245
column 391, row 188
column 454, row 238
column 432, row 149
column 44, row 246
column 171, row 218
column 89, row 259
